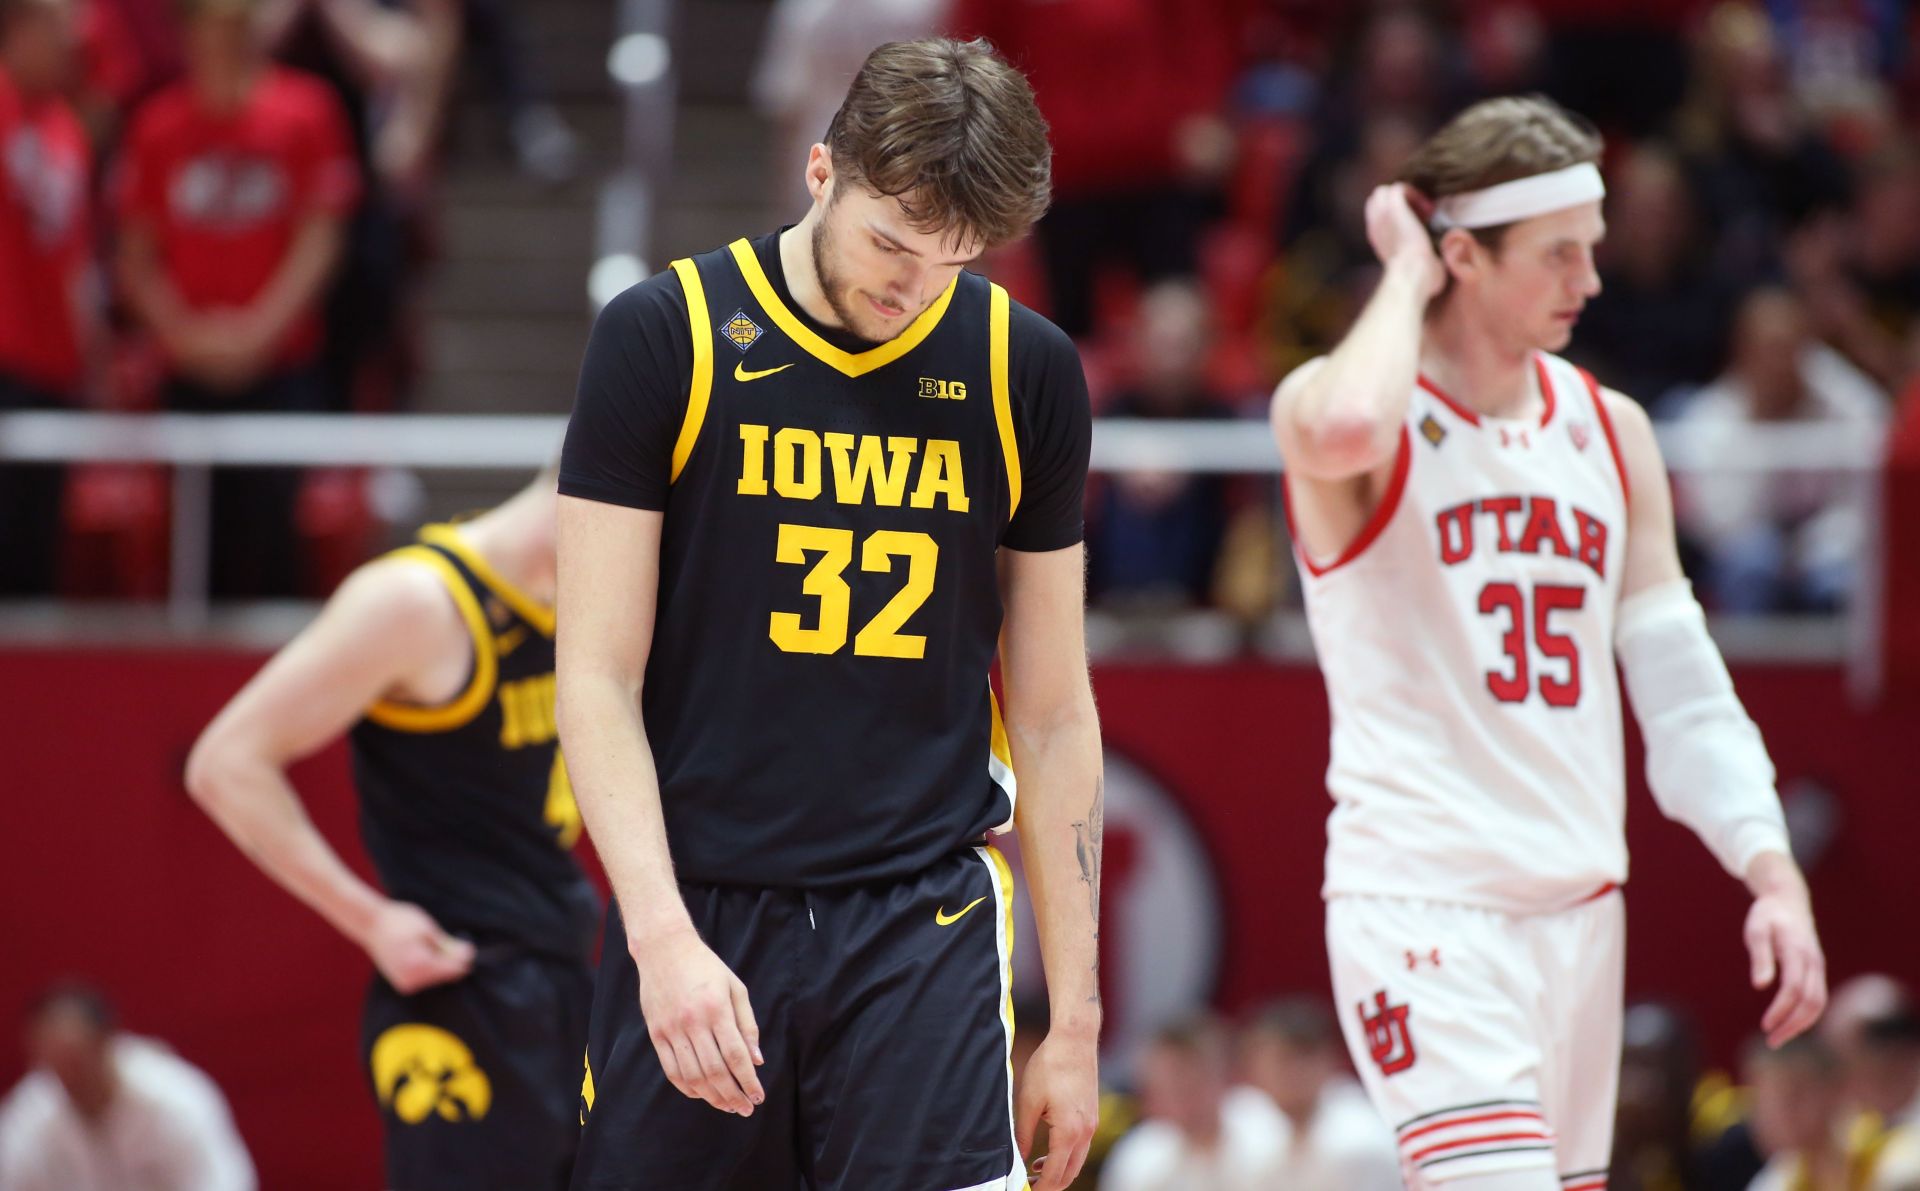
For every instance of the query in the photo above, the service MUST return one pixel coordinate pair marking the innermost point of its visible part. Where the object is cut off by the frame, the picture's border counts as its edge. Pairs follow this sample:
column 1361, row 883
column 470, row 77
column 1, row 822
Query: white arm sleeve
column 1705, row 760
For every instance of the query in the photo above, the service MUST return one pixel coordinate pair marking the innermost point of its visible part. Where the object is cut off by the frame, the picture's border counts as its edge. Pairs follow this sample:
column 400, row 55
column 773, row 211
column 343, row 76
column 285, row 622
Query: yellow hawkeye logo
column 421, row 1071
column 943, row 918
column 740, row 371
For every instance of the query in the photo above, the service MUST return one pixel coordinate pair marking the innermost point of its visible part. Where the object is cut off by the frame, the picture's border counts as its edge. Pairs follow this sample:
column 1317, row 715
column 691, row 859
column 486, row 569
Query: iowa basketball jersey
column 817, row 695
column 1466, row 638
column 465, row 808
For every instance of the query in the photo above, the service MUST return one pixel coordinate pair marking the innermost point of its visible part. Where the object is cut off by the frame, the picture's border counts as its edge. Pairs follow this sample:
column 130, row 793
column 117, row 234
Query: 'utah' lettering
column 1537, row 520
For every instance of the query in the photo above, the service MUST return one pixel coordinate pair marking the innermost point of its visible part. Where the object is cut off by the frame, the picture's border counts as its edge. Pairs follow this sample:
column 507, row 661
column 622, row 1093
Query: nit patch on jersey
column 1432, row 430
column 741, row 331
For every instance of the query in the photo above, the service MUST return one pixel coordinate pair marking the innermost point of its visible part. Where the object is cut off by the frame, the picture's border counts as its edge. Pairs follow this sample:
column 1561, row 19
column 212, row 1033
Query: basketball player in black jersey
column 437, row 662
column 813, row 484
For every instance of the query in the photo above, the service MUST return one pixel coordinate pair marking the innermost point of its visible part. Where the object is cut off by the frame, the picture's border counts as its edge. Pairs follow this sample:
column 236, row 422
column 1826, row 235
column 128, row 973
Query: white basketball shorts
column 1488, row 1041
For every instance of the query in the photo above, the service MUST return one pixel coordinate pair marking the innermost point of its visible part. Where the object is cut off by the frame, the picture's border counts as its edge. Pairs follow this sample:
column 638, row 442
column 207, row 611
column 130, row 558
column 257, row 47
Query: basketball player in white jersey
column 1483, row 530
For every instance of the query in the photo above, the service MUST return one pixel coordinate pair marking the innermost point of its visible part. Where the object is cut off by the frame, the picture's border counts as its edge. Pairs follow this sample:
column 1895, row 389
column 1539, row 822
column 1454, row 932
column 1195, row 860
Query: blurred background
column 397, row 249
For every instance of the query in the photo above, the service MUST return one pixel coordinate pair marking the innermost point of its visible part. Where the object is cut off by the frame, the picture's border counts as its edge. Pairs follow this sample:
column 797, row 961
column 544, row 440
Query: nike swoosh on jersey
column 945, row 919
column 740, row 371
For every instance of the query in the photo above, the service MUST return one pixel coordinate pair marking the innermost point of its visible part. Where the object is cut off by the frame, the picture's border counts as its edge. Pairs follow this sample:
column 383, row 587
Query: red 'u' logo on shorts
column 1388, row 1039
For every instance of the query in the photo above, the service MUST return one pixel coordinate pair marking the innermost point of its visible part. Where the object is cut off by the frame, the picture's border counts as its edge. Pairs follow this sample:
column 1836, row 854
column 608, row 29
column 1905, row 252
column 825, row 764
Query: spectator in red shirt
column 237, row 185
column 1133, row 91
column 46, row 290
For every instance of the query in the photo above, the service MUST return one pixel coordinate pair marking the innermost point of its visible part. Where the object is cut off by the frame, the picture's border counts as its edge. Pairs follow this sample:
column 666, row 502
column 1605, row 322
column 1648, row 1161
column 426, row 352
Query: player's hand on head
column 1784, row 945
column 1397, row 228
column 412, row 952
column 701, row 1022
column 1061, row 1085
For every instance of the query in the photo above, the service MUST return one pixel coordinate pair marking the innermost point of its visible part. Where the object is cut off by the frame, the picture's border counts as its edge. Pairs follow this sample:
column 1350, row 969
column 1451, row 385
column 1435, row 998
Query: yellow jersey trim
column 1002, row 750
column 535, row 613
column 1004, row 875
column 409, row 717
column 850, row 363
column 701, row 390
column 999, row 315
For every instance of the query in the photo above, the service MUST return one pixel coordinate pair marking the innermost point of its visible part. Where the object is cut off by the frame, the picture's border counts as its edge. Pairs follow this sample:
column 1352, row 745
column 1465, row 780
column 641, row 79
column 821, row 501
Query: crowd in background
column 1762, row 263
column 1270, row 1104
column 227, row 204
column 222, row 206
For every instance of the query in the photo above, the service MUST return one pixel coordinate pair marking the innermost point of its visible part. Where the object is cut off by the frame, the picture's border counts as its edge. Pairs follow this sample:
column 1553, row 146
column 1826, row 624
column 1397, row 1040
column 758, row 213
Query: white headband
column 1522, row 198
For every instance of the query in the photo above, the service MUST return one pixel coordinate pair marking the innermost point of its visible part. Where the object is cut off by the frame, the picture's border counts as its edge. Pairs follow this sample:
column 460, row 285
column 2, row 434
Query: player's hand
column 1062, row 1085
column 411, row 950
column 1397, row 229
column 1782, row 942
column 701, row 1022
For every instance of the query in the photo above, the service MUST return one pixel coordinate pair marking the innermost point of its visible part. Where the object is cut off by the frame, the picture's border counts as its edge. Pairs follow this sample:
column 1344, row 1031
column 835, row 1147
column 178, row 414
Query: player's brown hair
column 950, row 130
column 1500, row 140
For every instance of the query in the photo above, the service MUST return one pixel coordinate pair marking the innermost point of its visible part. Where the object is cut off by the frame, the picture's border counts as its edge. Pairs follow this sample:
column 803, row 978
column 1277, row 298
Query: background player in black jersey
column 437, row 662
column 805, row 477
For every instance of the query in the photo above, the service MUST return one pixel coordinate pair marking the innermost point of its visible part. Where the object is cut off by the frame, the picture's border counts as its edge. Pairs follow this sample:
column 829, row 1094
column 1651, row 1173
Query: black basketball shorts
column 478, row 1081
column 886, row 1023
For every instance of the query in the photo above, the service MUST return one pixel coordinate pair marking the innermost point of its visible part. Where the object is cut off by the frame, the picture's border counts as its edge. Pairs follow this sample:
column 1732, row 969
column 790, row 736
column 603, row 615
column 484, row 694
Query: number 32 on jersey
column 880, row 637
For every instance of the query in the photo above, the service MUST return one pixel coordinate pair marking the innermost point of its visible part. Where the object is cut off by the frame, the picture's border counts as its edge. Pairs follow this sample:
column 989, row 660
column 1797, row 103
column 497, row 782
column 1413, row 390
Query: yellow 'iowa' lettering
column 943, row 390
column 526, row 712
column 420, row 1070
column 864, row 468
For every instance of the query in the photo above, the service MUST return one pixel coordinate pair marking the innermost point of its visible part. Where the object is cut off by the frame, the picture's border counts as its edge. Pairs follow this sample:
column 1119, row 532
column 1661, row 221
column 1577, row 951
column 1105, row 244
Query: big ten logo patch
column 943, row 390
column 1389, row 1040
column 1160, row 916
column 421, row 1071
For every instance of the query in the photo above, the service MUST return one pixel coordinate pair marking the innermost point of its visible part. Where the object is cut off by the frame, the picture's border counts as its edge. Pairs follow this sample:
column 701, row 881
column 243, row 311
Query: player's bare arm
column 696, row 1009
column 390, row 632
column 1337, row 419
column 1661, row 626
column 1055, row 735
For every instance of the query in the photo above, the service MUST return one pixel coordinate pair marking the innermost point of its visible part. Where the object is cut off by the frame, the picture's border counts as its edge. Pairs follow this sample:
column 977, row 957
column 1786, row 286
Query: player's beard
column 833, row 284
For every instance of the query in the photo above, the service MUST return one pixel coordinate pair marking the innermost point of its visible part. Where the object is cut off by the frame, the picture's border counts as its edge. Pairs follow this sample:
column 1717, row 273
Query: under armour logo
column 1416, row 958
column 1509, row 437
column 1388, row 1039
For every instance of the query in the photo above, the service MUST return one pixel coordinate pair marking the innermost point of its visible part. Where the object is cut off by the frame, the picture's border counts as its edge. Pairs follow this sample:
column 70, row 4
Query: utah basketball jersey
column 1466, row 639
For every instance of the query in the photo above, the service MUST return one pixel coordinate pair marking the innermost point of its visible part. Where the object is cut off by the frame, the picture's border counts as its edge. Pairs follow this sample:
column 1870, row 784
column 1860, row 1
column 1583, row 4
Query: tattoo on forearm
column 1088, row 835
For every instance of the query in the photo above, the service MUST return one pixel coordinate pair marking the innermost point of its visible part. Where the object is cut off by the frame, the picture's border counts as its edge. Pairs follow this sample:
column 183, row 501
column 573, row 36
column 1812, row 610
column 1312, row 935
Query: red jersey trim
column 1596, row 895
column 1606, row 426
column 1546, row 388
column 1461, row 411
column 1376, row 524
column 1466, row 414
